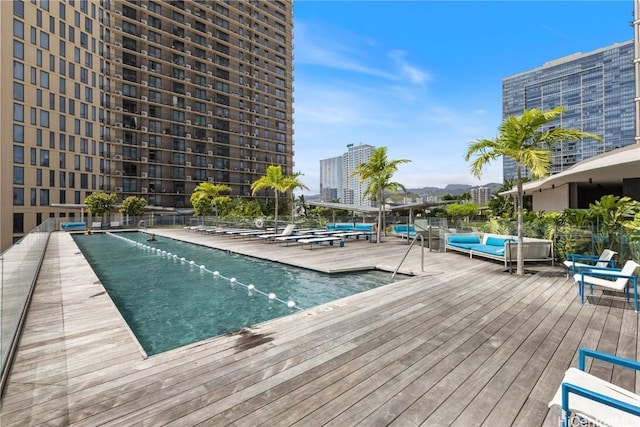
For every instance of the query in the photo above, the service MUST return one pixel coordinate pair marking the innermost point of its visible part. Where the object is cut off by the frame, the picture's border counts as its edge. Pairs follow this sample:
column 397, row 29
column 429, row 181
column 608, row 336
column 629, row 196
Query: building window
column 18, row 91
column 18, row 218
column 44, row 197
column 18, row 175
column 18, row 112
column 18, row 196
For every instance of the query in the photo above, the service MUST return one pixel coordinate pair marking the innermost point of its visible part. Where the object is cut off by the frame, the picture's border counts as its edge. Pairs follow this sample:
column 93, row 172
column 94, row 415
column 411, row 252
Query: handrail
column 407, row 253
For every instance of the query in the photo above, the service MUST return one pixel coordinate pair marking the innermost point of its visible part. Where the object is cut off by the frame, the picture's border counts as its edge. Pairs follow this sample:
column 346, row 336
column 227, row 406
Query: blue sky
column 424, row 78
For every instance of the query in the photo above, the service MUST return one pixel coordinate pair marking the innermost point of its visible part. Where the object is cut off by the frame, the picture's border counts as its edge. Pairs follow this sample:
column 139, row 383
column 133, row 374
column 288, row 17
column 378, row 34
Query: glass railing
column 19, row 267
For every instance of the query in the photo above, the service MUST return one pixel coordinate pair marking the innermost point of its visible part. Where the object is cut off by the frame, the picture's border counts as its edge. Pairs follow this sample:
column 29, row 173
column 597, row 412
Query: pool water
column 169, row 303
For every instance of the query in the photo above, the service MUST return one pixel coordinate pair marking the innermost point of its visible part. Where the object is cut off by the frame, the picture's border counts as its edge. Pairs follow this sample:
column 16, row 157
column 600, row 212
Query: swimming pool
column 169, row 302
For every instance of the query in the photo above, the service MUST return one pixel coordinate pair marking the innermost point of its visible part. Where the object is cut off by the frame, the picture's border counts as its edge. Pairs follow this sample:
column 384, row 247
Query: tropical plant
column 610, row 214
column 133, row 205
column 524, row 140
column 377, row 173
column 99, row 204
column 206, row 197
column 275, row 180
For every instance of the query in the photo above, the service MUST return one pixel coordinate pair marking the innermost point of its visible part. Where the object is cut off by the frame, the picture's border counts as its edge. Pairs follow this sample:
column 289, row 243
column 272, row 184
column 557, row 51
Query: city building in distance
column 597, row 90
column 336, row 177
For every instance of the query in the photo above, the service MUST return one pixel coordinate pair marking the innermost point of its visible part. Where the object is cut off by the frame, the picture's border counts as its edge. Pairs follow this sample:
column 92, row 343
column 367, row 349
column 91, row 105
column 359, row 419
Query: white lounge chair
column 596, row 400
column 574, row 262
column 610, row 278
column 288, row 231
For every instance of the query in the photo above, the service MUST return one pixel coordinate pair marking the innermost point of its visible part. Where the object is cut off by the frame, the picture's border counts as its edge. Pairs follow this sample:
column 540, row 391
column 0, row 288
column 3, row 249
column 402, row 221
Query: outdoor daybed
column 500, row 247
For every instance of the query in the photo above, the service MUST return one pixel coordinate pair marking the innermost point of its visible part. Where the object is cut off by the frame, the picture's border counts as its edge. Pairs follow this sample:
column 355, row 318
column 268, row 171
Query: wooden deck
column 463, row 344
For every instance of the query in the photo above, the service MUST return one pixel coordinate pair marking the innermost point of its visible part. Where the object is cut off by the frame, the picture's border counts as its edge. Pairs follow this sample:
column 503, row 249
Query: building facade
column 145, row 98
column 352, row 189
column 597, row 90
column 480, row 195
column 331, row 179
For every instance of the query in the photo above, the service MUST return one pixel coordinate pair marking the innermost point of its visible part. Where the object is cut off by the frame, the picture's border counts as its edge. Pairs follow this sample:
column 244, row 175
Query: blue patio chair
column 610, row 278
column 595, row 400
column 575, row 261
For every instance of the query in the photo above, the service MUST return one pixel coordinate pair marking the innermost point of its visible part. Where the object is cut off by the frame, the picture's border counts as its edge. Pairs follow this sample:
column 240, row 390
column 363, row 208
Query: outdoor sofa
column 499, row 247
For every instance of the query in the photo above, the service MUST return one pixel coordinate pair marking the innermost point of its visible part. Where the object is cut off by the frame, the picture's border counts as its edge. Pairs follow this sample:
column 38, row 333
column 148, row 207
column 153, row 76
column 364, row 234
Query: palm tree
column 523, row 139
column 378, row 171
column 279, row 183
column 204, row 198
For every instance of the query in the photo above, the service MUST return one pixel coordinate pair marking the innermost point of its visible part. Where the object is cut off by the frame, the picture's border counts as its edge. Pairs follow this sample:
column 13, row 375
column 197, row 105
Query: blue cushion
column 364, row 227
column 496, row 241
column 467, row 238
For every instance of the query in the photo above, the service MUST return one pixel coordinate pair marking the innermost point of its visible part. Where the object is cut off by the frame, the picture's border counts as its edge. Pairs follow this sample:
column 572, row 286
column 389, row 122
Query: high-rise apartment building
column 597, row 90
column 352, row 189
column 480, row 195
column 145, row 98
column 331, row 179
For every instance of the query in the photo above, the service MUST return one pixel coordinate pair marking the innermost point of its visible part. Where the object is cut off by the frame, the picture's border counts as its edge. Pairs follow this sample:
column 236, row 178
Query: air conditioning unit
column 209, row 166
column 118, row 140
column 144, row 21
column 253, row 171
column 144, row 159
column 188, row 150
column 210, row 153
column 210, row 126
column 188, row 52
column 187, row 38
column 143, row 190
column 188, row 136
column 253, row 159
column 143, row 113
column 119, row 76
column 118, row 108
column 188, row 122
column 210, row 179
column 210, row 73
column 117, row 157
column 118, row 189
column 118, row 12
column 118, row 60
column 247, row 157
column 246, row 181
column 145, row 144
column 210, row 86
column 188, row 24
column 118, row 92
column 118, row 28
column 144, row 174
column 246, row 169
column 144, row 129
column 188, row 108
column 143, row 83
column 143, row 52
column 188, row 94
column 188, row 66
column 188, row 80
column 209, row 33
column 118, row 173
column 188, row 164
column 210, row 113
column 188, row 177
column 144, row 6
column 143, row 37
column 254, row 134
column 144, row 98
column 118, row 124
column 209, row 139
